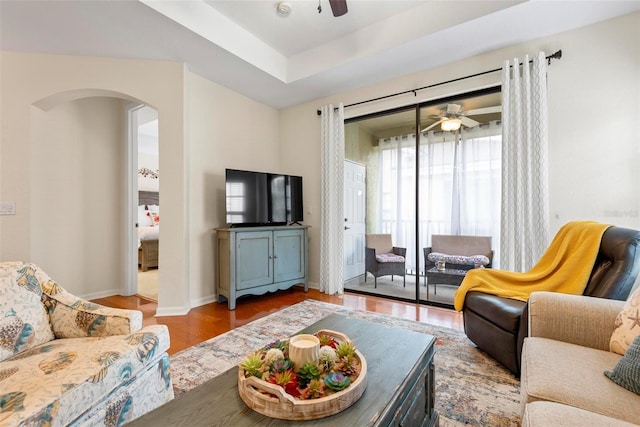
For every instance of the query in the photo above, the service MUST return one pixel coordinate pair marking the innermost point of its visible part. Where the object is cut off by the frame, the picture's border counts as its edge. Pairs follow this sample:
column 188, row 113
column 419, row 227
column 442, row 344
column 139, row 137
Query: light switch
column 7, row 208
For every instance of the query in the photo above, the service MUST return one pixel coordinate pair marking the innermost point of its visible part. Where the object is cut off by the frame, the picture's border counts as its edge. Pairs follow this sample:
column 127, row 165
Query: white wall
column 225, row 130
column 77, row 177
column 149, row 161
column 594, row 106
column 30, row 81
column 148, row 158
column 594, row 125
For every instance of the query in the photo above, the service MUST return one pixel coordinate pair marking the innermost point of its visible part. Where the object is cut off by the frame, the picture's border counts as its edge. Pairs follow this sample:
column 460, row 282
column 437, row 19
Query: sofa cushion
column 627, row 324
column 554, row 414
column 24, row 322
column 570, row 374
column 63, row 378
column 72, row 317
column 627, row 371
column 389, row 258
column 458, row 259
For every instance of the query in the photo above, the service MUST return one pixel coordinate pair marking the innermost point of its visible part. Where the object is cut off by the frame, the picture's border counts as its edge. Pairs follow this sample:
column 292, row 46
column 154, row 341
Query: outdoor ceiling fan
column 452, row 117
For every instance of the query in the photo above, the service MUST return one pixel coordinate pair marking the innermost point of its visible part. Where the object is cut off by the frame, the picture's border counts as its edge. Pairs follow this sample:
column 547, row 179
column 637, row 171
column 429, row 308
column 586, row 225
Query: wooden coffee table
column 400, row 386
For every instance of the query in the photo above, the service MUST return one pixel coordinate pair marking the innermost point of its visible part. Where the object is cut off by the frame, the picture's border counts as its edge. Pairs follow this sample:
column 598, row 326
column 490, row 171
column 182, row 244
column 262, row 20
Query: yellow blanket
column 565, row 267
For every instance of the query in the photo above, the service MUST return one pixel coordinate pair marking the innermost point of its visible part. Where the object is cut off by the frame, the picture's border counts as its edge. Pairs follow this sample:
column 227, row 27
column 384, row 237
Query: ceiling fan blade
column 432, row 125
column 486, row 110
column 468, row 122
column 454, row 108
column 338, row 7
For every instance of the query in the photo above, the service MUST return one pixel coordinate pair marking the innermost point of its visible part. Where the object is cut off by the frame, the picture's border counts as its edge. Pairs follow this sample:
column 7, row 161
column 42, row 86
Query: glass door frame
column 417, row 108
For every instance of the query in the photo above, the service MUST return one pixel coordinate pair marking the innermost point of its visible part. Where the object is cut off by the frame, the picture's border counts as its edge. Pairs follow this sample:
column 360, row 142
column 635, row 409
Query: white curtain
column 395, row 204
column 332, row 200
column 525, row 190
column 459, row 187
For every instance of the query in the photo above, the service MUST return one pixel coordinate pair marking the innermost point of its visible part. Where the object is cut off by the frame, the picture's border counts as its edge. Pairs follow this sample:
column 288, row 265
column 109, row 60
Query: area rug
column 471, row 388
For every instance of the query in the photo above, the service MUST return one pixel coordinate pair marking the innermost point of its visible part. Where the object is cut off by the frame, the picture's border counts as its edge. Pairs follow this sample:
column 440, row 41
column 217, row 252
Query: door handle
column 347, row 228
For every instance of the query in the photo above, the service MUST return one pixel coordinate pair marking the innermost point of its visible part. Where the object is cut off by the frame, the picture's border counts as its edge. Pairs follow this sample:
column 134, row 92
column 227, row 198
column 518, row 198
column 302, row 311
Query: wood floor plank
column 210, row 320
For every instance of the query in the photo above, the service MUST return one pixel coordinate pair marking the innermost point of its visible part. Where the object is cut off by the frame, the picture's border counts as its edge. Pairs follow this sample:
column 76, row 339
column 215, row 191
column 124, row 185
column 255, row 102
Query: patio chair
column 383, row 259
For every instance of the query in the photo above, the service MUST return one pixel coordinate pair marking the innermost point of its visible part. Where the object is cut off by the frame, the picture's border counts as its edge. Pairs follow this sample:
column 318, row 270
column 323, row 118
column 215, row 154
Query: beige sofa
column 563, row 364
column 67, row 361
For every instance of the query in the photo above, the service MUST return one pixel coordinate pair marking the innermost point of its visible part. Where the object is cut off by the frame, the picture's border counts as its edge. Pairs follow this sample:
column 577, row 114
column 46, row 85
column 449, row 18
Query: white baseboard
column 101, row 294
column 204, row 300
column 171, row 311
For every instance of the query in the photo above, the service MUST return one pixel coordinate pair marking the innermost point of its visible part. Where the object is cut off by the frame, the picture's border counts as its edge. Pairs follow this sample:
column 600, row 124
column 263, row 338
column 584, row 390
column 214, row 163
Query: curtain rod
column 556, row 55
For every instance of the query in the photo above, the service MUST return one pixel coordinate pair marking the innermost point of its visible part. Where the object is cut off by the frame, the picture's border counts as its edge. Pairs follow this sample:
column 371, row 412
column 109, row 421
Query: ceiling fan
column 452, row 117
column 338, row 7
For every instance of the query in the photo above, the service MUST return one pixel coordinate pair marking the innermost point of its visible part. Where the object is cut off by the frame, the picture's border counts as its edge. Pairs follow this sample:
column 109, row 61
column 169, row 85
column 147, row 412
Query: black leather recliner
column 499, row 325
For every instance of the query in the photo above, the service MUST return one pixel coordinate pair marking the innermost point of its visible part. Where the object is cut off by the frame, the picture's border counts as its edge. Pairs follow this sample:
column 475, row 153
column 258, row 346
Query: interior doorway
column 146, row 187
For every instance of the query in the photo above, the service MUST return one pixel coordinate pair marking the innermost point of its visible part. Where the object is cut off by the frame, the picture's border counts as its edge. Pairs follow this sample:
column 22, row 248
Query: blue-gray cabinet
column 256, row 260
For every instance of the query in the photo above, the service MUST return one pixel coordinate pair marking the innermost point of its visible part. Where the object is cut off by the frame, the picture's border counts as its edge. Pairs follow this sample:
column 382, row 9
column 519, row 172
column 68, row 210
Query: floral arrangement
column 336, row 369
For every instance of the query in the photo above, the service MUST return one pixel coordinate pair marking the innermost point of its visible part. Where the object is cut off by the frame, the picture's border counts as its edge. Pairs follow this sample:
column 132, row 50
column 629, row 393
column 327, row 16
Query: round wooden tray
column 271, row 400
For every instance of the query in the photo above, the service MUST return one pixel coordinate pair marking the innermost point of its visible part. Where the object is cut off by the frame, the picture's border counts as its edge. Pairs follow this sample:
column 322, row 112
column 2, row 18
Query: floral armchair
column 65, row 360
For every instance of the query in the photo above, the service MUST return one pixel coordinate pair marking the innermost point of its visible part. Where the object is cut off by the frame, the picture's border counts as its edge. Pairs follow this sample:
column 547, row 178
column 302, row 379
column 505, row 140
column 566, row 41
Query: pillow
column 144, row 217
column 24, row 321
column 627, row 326
column 627, row 371
column 458, row 259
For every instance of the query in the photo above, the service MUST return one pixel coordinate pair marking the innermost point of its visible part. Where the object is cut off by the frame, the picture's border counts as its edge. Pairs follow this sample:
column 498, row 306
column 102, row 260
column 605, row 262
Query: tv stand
column 257, row 260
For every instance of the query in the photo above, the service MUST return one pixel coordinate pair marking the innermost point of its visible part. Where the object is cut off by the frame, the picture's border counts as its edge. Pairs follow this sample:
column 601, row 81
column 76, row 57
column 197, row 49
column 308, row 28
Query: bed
column 148, row 229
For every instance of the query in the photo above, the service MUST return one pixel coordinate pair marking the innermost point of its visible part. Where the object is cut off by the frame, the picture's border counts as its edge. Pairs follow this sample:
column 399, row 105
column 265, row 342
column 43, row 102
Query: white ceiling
column 245, row 46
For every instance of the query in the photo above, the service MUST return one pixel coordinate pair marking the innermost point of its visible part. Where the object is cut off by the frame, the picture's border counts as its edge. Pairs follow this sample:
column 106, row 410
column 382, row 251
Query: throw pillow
column 627, row 326
column 627, row 370
column 144, row 217
column 24, row 322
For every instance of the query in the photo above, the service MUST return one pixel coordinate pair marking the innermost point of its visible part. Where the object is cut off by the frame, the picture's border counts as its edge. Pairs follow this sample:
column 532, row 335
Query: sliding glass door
column 422, row 179
column 460, row 187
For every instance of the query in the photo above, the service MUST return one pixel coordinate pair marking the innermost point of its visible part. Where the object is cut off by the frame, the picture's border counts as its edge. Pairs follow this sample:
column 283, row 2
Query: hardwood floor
column 210, row 320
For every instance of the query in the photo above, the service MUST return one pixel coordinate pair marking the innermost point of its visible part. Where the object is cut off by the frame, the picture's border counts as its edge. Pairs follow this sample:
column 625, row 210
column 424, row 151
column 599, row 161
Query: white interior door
column 354, row 219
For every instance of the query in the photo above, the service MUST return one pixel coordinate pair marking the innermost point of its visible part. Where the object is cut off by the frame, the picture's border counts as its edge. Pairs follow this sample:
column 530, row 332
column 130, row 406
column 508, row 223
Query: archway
column 83, row 190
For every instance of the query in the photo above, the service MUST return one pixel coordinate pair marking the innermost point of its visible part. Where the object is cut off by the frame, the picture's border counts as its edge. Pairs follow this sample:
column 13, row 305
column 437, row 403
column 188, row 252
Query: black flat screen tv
column 260, row 198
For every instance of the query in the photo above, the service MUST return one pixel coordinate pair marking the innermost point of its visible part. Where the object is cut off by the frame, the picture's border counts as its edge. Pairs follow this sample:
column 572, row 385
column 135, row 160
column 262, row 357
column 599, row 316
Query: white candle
column 305, row 343
column 303, row 349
